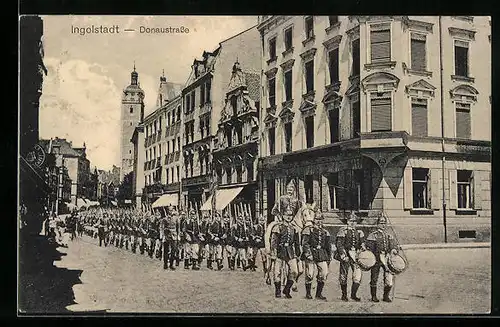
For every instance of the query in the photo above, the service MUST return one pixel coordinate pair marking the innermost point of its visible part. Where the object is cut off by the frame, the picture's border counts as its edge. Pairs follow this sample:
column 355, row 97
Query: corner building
column 380, row 113
column 203, row 101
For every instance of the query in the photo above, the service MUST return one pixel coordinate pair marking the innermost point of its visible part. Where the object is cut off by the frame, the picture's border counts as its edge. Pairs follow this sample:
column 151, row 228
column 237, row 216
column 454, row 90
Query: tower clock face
column 39, row 155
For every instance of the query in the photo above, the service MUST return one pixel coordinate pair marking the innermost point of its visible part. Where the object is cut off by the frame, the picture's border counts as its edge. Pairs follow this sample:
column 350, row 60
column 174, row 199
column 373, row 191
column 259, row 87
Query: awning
column 81, row 203
column 166, row 200
column 222, row 198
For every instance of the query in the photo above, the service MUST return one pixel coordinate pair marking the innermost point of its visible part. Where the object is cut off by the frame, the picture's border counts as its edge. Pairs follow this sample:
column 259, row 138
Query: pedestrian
column 349, row 242
column 316, row 253
column 382, row 244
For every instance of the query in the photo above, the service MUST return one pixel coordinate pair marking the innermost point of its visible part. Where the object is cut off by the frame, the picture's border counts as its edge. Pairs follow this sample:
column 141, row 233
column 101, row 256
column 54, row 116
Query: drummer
column 381, row 243
column 349, row 242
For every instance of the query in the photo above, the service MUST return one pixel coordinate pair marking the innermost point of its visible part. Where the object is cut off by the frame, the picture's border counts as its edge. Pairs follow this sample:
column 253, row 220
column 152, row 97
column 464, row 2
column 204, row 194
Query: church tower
column 132, row 113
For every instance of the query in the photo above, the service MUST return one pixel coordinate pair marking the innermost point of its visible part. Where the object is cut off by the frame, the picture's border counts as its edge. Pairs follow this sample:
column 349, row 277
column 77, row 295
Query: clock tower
column 132, row 113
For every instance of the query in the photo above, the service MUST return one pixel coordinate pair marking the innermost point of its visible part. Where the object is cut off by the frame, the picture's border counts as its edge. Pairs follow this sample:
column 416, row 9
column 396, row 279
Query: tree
column 125, row 189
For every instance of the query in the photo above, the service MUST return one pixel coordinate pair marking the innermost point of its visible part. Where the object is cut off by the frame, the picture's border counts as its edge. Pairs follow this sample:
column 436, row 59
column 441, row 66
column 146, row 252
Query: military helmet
column 382, row 220
column 352, row 217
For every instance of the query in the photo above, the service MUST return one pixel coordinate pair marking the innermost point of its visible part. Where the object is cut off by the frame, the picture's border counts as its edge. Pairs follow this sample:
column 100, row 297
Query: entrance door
column 271, row 198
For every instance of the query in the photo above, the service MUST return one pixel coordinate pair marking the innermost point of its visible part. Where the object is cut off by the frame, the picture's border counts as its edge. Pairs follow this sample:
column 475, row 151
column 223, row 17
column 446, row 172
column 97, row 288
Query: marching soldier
column 171, row 230
column 316, row 252
column 216, row 243
column 158, row 243
column 349, row 242
column 285, row 241
column 133, row 236
column 381, row 243
column 181, row 238
column 257, row 243
column 143, row 233
column 204, row 241
column 192, row 232
column 101, row 232
column 240, row 239
column 226, row 238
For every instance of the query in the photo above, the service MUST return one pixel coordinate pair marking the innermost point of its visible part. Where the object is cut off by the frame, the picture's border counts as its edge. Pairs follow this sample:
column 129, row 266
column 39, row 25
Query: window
column 463, row 124
column 201, row 165
column 130, row 123
column 168, row 119
column 333, row 118
column 381, row 112
column 418, row 53
column 309, row 71
column 420, row 188
column 228, row 175
column 356, row 118
column 219, row 176
column 271, row 83
column 191, row 164
column 207, row 92
column 178, row 173
column 186, row 166
column 131, row 110
column 461, row 59
column 193, row 100
column 179, row 143
column 207, row 163
column 179, row 113
column 355, row 58
column 239, row 174
column 380, row 45
column 173, row 117
column 309, row 122
column 250, row 172
column 192, row 131
column 168, row 175
column 234, row 105
column 309, row 188
column 333, row 182
column 173, row 146
column 272, row 48
column 333, row 20
column 419, row 117
column 173, row 176
column 309, row 25
column 202, row 128
column 239, row 134
column 288, row 137
column 272, row 141
column 333, row 65
column 464, row 190
column 188, row 103
column 202, row 95
column 186, row 127
column 129, row 151
column 288, row 39
column 288, row 85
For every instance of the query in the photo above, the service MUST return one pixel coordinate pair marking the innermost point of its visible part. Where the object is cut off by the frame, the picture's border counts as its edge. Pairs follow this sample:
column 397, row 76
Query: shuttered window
column 356, row 119
column 272, row 141
column 420, row 177
column 381, row 112
column 380, row 45
column 288, row 85
column 333, row 65
column 309, row 27
column 309, row 122
column 288, row 137
column 272, row 48
column 464, row 189
column 333, row 182
column 333, row 20
column 418, row 53
column 355, row 58
column 333, row 116
column 288, row 39
column 463, row 120
column 272, row 91
column 419, row 117
column 461, row 58
column 309, row 72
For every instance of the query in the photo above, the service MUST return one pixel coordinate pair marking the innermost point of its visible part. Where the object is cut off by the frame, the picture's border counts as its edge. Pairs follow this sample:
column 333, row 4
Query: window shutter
column 381, row 45
column 452, row 176
column 463, row 122
column 434, row 195
column 418, row 55
column 381, row 114
column 408, row 188
column 419, row 119
column 477, row 189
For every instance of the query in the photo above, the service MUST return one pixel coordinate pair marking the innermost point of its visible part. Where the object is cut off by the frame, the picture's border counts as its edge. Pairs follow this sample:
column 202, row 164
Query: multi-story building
column 381, row 113
column 203, row 101
column 132, row 112
column 106, row 181
column 162, row 146
column 235, row 150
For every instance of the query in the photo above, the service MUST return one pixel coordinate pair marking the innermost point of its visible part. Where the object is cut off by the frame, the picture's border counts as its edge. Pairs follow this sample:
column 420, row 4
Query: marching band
column 287, row 247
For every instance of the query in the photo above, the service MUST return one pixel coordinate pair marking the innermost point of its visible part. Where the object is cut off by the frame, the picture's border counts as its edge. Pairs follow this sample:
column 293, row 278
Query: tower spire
column 134, row 65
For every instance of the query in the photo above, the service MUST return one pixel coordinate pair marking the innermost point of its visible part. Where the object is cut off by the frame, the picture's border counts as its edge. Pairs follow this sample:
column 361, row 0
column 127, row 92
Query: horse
column 303, row 218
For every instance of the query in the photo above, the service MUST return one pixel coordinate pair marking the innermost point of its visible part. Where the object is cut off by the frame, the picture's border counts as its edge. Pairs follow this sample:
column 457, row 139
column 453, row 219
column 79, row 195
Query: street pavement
column 438, row 281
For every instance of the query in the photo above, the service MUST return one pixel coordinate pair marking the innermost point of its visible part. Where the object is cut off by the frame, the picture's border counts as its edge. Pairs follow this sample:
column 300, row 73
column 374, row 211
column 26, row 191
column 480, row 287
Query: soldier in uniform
column 381, row 243
column 204, row 241
column 240, row 238
column 171, row 230
column 158, row 242
column 349, row 242
column 316, row 252
column 133, row 235
column 257, row 244
column 226, row 238
column 100, row 232
column 192, row 232
column 285, row 247
column 216, row 243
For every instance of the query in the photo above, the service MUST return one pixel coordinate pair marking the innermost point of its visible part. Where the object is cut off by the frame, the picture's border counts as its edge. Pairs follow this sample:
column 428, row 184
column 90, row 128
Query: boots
column 244, row 265
column 387, row 291
column 186, row 263
column 354, row 290
column 344, row 292
column 171, row 264
column 231, row 264
column 287, row 288
column 196, row 266
column 373, row 291
column 238, row 263
column 219, row 264
column 319, row 291
column 209, row 264
column 277, row 287
column 165, row 263
column 177, row 262
column 308, row 291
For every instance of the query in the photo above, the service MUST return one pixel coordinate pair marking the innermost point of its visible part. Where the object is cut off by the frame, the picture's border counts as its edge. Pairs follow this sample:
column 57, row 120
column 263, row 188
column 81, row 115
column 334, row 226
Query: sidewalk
column 457, row 245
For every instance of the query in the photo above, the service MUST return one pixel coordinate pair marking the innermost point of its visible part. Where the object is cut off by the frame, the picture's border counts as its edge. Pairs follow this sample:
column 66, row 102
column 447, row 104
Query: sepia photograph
column 254, row 165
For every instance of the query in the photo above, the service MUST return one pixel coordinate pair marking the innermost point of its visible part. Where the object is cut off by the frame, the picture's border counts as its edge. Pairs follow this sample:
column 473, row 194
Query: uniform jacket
column 171, row 227
column 193, row 230
column 380, row 241
column 258, row 233
column 349, row 238
column 316, row 244
column 286, row 206
column 285, row 241
column 205, row 225
column 216, row 229
column 240, row 232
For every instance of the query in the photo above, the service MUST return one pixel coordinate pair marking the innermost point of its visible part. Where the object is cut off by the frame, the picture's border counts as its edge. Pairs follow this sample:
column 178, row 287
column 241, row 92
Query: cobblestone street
column 116, row 280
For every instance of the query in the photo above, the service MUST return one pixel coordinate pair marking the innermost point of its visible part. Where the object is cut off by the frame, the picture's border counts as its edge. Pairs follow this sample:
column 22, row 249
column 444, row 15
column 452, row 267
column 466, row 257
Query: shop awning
column 222, row 198
column 166, row 200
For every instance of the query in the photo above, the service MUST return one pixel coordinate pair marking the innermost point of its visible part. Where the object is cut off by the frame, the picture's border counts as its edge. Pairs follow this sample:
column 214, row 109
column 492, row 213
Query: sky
column 81, row 95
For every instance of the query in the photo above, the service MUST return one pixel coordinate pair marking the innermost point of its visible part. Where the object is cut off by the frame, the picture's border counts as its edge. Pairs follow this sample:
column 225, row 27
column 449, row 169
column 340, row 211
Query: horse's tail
column 267, row 236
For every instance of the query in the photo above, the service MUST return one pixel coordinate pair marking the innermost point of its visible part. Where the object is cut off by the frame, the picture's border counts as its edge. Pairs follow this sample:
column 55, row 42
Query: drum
column 366, row 260
column 396, row 264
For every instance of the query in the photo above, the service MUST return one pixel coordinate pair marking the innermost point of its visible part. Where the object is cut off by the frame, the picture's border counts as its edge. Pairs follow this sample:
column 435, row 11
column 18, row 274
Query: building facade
column 162, row 146
column 132, row 112
column 235, row 150
column 369, row 113
column 203, row 100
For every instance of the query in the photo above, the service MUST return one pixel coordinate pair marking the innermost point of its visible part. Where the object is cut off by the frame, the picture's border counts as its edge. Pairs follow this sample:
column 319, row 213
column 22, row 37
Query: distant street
column 116, row 280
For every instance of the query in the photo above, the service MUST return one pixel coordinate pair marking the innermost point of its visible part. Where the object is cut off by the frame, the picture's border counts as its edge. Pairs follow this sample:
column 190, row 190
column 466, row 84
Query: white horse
column 303, row 218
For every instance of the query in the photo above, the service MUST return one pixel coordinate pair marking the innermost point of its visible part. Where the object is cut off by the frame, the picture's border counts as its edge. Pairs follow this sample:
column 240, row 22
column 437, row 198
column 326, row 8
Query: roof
column 253, row 85
column 65, row 147
column 169, row 91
